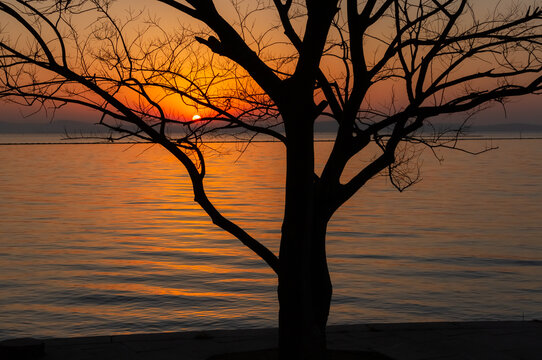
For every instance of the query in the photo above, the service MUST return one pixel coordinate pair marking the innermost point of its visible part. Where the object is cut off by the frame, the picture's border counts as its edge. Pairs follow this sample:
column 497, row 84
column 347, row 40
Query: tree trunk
column 304, row 298
column 304, row 289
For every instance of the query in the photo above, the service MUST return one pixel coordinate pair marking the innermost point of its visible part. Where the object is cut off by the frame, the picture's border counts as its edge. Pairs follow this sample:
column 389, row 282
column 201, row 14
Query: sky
column 525, row 110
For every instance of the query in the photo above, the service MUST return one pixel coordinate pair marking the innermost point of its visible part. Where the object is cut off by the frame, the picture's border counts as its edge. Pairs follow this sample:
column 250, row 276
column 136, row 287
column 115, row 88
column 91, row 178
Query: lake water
column 105, row 239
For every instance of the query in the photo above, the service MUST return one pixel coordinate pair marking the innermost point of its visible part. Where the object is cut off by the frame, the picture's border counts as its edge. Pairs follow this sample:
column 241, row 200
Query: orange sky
column 522, row 110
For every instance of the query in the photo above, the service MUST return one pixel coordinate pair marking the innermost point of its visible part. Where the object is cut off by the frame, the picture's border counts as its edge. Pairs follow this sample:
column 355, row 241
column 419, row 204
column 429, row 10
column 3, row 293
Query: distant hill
column 510, row 128
column 506, row 128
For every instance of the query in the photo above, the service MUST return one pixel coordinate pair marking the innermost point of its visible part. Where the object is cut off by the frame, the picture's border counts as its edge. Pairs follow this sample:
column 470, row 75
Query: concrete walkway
column 446, row 341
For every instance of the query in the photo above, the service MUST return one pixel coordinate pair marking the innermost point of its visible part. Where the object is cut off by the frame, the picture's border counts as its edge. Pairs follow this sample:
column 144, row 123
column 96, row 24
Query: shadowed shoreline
column 407, row 341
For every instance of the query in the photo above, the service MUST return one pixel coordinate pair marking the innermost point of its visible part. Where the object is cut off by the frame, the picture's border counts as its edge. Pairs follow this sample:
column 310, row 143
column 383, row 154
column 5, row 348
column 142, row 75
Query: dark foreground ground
column 429, row 341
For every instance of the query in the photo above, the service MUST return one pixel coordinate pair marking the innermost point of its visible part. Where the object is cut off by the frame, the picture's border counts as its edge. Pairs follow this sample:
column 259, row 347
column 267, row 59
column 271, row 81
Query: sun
column 196, row 117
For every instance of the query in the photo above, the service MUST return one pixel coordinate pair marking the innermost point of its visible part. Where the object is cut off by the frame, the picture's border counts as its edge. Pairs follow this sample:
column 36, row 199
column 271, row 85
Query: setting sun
column 196, row 117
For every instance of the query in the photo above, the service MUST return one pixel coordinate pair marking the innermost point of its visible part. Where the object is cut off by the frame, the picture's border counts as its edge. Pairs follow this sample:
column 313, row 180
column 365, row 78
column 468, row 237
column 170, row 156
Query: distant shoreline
column 63, row 126
column 105, row 142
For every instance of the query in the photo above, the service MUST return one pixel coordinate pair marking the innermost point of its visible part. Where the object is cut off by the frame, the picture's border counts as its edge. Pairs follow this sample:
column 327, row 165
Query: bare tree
column 274, row 67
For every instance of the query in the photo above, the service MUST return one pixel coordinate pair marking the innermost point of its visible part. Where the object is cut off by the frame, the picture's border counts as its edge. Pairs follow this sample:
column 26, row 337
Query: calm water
column 105, row 239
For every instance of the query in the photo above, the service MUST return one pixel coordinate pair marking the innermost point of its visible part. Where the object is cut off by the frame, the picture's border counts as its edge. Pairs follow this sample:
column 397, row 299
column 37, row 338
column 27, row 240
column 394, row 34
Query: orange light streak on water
column 107, row 237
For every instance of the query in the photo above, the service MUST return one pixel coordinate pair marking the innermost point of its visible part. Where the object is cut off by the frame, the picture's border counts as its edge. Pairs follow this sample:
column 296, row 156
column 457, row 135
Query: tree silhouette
column 274, row 67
